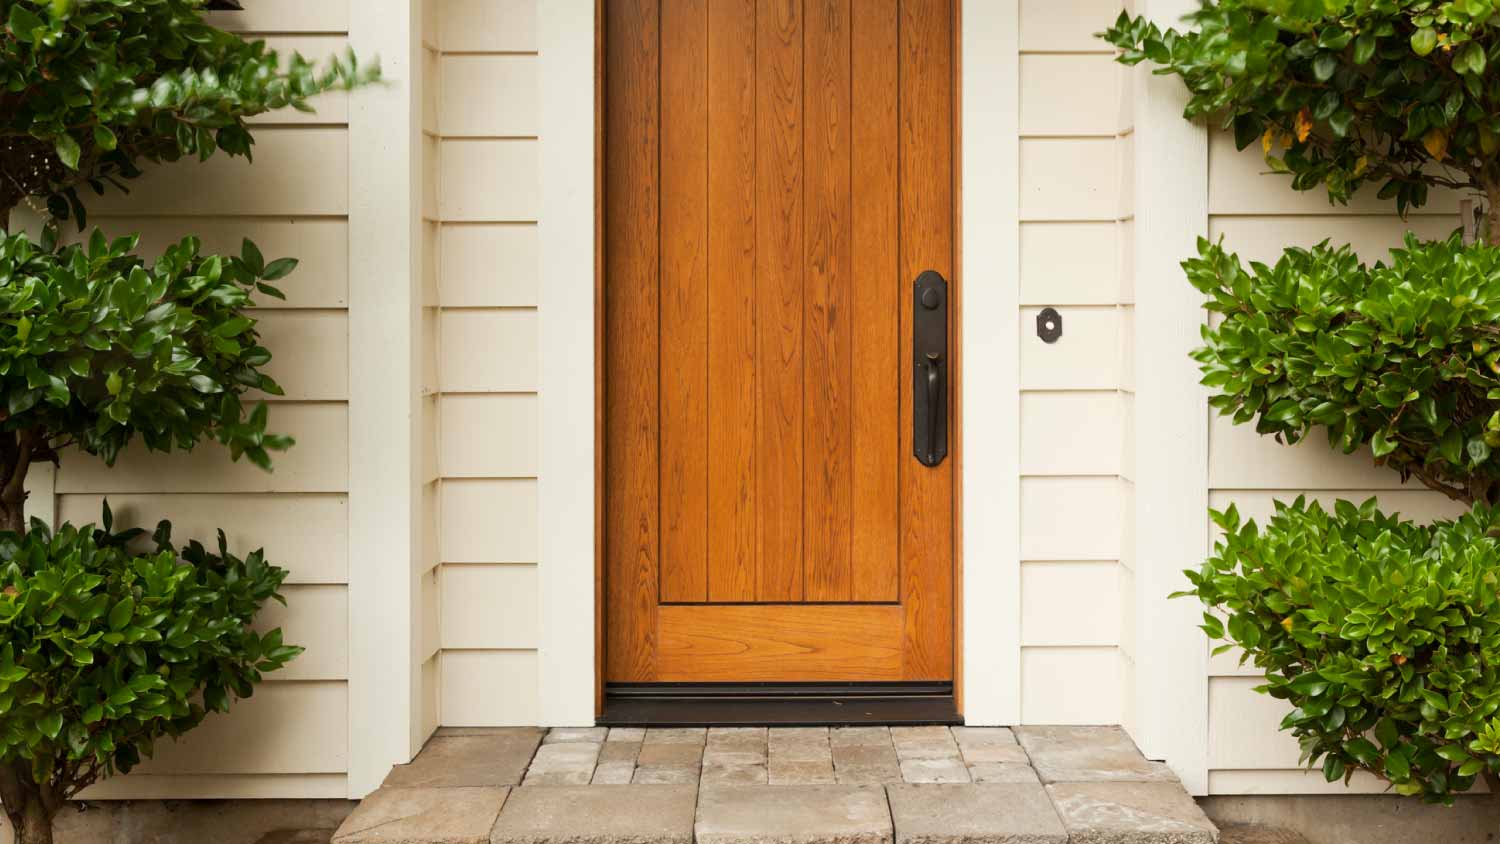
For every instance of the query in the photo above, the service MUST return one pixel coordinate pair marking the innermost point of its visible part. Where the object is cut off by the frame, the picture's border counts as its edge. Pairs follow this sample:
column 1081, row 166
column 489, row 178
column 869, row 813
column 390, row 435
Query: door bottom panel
column 707, row 643
column 778, row 704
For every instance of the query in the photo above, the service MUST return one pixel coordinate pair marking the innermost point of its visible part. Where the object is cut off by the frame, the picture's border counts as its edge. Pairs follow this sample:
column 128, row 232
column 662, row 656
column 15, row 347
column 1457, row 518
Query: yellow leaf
column 1304, row 125
column 1436, row 143
column 1361, row 166
column 1267, row 140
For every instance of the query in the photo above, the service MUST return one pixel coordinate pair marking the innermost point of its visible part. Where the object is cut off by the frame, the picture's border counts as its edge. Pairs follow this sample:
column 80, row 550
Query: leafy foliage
column 97, row 346
column 103, row 651
column 1343, row 92
column 1403, row 357
column 90, row 90
column 1383, row 635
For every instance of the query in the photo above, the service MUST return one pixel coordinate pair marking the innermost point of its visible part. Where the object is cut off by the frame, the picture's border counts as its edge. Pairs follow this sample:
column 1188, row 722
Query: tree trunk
column 32, row 824
column 27, row 805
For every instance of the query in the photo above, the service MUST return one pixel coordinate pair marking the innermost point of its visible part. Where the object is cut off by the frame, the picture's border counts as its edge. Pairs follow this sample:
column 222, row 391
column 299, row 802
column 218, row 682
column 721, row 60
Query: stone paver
column 800, row 772
column 924, row 743
column 737, row 737
column 668, row 764
column 676, row 735
column 460, row 815
column 558, row 735
column 715, row 773
column 974, row 814
column 1130, row 813
column 860, row 737
column 1088, row 754
column 1012, row 772
column 599, row 814
column 950, row 770
column 771, row 814
column 634, row 735
column 866, row 764
column 496, row 757
column 564, row 763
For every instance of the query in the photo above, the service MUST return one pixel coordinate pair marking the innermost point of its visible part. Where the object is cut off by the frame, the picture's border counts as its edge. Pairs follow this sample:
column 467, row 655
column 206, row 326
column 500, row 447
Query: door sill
column 778, row 704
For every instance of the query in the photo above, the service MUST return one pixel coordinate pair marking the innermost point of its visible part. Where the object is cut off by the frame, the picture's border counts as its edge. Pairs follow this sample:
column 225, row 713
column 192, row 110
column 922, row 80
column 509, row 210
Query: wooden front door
column 777, row 173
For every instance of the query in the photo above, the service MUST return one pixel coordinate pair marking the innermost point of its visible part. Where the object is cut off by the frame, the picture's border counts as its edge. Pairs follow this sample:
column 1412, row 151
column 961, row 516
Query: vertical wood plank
column 631, row 339
column 731, row 300
column 684, row 300
column 827, row 334
column 779, row 239
column 877, row 368
column 926, row 160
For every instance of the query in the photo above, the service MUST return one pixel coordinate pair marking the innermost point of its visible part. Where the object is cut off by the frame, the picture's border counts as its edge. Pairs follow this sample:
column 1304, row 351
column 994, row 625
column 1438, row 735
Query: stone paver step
column 856, row 785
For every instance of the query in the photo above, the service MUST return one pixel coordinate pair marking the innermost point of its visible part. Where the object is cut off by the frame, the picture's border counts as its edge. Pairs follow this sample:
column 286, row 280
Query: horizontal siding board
column 489, row 265
column 320, row 245
column 488, row 96
column 1070, row 604
column 1239, row 182
column 488, row 180
column 308, row 535
column 1070, row 519
column 285, row 728
column 318, row 463
column 1069, row 95
column 1243, row 727
column 316, row 618
column 1069, row 179
column 1070, row 263
column 1086, row 357
column 1418, row 505
column 1241, row 458
column 1294, row 781
column 298, row 171
column 489, row 351
column 489, row 607
column 260, row 16
column 489, row 688
column 489, row 521
column 1066, row 25
column 1070, row 433
column 1070, row 686
column 488, row 26
column 1264, row 238
column 309, row 353
column 331, row 108
column 489, row 436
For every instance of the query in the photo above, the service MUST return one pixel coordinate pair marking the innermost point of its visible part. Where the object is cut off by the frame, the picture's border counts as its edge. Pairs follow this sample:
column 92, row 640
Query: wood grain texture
column 827, row 334
column 926, row 160
column 779, row 290
column 782, row 642
column 684, row 239
column 631, row 339
column 731, row 300
column 878, row 300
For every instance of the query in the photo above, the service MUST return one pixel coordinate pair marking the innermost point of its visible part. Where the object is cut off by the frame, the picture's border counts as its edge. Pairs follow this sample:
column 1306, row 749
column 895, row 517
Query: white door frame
column 990, row 266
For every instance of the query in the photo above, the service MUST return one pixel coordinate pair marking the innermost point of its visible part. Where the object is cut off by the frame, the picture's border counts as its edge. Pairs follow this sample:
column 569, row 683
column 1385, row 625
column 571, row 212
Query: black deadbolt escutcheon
column 1049, row 325
column 929, row 441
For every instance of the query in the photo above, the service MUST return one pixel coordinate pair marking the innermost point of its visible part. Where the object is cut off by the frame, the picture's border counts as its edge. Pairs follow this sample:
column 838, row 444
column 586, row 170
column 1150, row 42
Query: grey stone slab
column 485, row 759
column 726, row 774
column 598, row 814
column 974, row 814
column 934, row 771
column 613, row 773
column 799, row 744
column 1009, row 772
column 676, row 735
column 457, row 815
column 924, row 743
column 800, row 772
column 1088, row 754
column 774, row 814
column 982, row 736
column 737, row 737
column 566, row 763
column 717, row 756
column 860, row 737
column 1013, row 753
column 1130, row 813
column 635, row 735
column 557, row 735
column 797, row 735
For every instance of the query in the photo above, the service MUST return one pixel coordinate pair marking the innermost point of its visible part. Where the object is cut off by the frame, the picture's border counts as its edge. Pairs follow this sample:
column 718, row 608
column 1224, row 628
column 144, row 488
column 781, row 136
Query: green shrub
column 1401, row 356
column 104, row 650
column 1383, row 635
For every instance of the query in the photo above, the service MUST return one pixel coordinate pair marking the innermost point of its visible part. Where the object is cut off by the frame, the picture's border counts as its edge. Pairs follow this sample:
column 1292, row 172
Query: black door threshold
column 781, row 705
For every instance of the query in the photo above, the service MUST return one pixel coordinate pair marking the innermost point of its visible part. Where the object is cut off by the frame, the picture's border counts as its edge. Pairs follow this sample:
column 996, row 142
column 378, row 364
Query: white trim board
column 1171, row 423
column 989, row 147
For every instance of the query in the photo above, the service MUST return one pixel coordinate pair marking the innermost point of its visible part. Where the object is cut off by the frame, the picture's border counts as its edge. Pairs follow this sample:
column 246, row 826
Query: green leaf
column 67, row 148
column 279, row 269
column 121, row 614
column 23, row 23
column 1423, row 41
